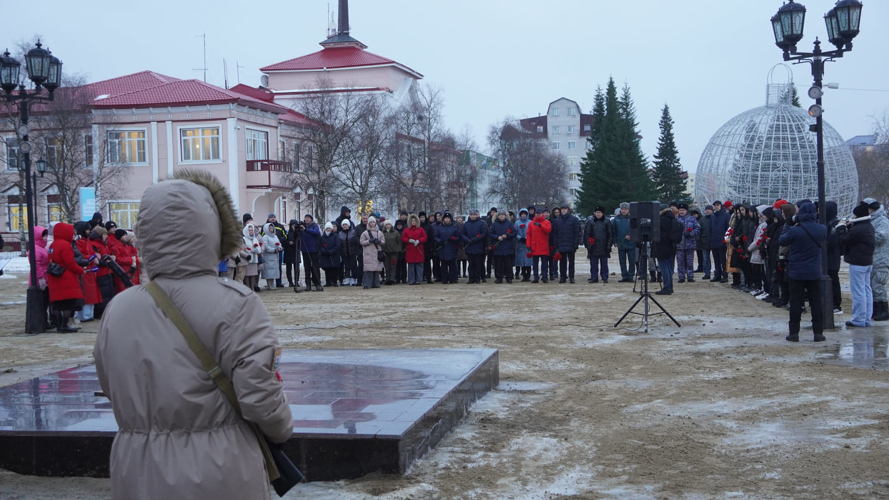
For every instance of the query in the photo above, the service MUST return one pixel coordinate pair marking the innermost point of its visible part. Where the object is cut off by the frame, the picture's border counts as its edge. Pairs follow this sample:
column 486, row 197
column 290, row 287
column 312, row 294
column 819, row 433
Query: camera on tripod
column 645, row 221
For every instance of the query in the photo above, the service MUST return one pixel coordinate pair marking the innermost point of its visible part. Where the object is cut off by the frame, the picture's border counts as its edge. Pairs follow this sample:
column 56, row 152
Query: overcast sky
column 708, row 60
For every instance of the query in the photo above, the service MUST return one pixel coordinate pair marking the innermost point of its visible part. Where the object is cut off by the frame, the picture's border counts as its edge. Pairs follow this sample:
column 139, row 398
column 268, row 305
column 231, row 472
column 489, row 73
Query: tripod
column 644, row 295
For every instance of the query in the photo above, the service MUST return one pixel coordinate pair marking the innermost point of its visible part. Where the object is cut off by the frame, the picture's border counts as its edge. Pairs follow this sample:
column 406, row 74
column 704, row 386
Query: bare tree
column 364, row 153
column 873, row 162
column 421, row 155
column 529, row 170
column 75, row 158
column 335, row 116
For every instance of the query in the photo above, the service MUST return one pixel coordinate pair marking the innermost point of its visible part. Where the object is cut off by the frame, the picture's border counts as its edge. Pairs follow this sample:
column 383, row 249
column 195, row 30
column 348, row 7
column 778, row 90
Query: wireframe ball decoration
column 769, row 153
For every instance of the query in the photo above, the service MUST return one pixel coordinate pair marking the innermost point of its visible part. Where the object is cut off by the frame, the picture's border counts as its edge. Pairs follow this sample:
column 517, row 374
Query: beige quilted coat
column 179, row 437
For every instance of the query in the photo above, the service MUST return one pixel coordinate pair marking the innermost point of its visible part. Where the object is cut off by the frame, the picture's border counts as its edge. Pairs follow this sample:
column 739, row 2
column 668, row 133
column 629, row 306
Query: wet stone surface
column 385, row 408
column 867, row 348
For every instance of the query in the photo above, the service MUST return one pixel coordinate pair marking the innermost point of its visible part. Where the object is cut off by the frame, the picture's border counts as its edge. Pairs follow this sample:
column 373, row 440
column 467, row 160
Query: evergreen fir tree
column 667, row 168
column 795, row 97
column 594, row 176
column 637, row 184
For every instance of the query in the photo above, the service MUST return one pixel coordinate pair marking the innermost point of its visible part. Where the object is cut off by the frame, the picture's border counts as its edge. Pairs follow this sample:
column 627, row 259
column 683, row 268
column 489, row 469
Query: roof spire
column 341, row 38
column 343, row 18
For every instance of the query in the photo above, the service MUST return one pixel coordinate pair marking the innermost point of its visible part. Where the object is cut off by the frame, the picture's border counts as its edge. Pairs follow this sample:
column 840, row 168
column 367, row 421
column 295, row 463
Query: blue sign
column 87, row 203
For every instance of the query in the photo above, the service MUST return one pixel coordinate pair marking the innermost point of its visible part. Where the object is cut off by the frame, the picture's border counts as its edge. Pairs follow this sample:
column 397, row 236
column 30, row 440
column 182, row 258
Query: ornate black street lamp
column 843, row 23
column 45, row 71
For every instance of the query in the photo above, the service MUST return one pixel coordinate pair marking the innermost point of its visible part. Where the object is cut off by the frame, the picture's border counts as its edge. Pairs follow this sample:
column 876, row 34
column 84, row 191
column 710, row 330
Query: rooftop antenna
column 204, row 69
column 238, row 69
column 225, row 72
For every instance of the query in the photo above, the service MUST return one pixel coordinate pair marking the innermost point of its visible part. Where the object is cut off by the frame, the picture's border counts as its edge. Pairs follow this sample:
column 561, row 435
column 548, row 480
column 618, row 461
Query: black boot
column 881, row 311
column 296, row 289
column 794, row 333
column 308, row 287
column 653, row 276
column 318, row 288
column 819, row 337
column 62, row 324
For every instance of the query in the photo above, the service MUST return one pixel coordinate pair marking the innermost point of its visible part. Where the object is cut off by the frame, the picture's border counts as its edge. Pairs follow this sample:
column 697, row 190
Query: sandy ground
column 722, row 407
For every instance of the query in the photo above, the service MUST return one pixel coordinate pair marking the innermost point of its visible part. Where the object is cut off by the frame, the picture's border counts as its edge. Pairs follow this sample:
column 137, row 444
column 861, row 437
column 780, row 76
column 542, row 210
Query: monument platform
column 355, row 412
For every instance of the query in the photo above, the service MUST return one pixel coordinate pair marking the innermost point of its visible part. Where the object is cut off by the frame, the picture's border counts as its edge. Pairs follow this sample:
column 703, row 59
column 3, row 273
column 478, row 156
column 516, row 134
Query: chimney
column 344, row 17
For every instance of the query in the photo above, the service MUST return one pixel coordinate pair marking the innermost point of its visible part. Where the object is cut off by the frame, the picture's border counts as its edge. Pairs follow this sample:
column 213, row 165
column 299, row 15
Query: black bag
column 381, row 255
column 55, row 269
column 290, row 476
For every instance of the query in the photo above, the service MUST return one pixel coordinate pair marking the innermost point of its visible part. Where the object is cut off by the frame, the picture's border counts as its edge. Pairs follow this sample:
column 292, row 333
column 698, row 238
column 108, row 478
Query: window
column 557, row 129
column 586, row 128
column 12, row 153
column 573, row 192
column 571, row 111
column 124, row 213
column 540, row 129
column 282, row 151
column 572, row 145
column 53, row 152
column 572, row 160
column 18, row 218
column 127, row 147
column 297, row 151
column 257, row 145
column 200, row 144
column 572, row 129
column 555, row 145
column 88, row 150
column 54, row 210
column 555, row 111
column 572, row 176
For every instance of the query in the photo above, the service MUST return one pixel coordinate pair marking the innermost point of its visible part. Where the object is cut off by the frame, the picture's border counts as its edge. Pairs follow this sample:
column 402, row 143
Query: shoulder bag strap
column 810, row 235
column 209, row 363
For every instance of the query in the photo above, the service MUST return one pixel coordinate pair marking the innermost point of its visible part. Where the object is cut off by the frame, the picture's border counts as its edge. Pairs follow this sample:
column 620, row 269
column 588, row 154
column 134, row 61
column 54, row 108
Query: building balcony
column 269, row 174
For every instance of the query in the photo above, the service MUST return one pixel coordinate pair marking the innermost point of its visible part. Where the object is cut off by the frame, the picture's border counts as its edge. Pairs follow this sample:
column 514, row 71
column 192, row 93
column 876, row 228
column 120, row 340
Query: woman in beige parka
column 178, row 436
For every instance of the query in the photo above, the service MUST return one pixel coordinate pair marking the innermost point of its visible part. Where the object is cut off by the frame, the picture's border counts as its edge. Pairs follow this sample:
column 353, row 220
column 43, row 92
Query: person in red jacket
column 538, row 243
column 414, row 239
column 91, row 295
column 122, row 255
column 65, row 293
column 104, row 281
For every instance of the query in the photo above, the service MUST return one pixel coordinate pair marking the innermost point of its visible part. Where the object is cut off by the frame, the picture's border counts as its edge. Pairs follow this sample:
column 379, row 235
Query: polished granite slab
column 355, row 412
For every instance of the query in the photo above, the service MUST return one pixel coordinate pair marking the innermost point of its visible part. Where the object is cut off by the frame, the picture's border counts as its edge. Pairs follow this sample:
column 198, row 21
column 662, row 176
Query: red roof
column 128, row 83
column 253, row 92
column 336, row 57
column 181, row 93
column 296, row 118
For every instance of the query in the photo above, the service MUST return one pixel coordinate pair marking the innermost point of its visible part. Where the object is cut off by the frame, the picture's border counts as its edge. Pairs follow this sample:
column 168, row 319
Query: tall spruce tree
column 614, row 170
column 667, row 167
column 588, row 179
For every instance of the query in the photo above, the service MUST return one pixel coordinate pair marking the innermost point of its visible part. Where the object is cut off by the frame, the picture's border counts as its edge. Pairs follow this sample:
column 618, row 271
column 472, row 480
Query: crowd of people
column 86, row 265
column 772, row 252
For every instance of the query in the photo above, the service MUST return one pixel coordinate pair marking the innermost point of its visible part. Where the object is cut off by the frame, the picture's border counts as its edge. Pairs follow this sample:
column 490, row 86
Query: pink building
column 120, row 136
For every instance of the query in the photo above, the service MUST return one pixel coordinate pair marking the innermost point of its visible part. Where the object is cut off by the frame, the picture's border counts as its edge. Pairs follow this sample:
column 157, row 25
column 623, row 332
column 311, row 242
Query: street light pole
column 45, row 71
column 843, row 23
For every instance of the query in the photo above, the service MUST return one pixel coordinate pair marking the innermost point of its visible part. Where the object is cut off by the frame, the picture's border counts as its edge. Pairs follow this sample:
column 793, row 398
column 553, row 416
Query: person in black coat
column 806, row 240
column 598, row 234
column 665, row 250
column 834, row 256
column 719, row 223
column 291, row 252
column 331, row 260
column 401, row 263
column 428, row 247
column 858, row 242
column 475, row 234
column 503, row 239
column 567, row 227
column 448, row 238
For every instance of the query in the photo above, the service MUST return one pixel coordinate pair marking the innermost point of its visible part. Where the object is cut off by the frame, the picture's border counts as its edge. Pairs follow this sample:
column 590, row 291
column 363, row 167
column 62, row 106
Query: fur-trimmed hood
column 197, row 198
